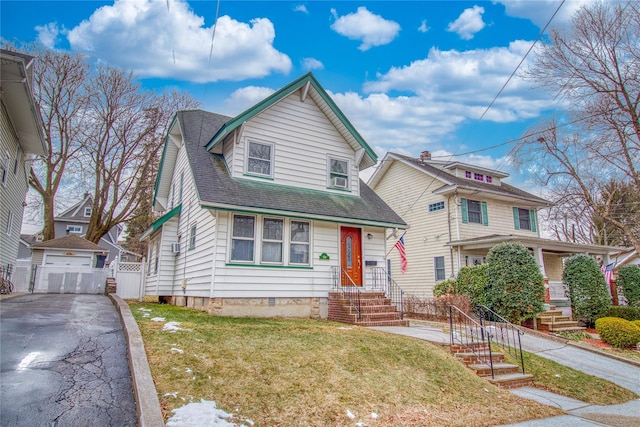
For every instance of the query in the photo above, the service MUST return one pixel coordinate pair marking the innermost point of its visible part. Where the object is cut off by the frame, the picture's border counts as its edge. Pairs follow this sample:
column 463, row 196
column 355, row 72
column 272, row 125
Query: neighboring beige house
column 21, row 139
column 456, row 212
column 264, row 213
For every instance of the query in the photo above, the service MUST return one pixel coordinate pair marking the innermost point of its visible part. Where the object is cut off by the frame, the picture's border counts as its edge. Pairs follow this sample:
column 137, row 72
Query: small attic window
column 489, row 179
column 87, row 211
column 478, row 177
column 467, row 174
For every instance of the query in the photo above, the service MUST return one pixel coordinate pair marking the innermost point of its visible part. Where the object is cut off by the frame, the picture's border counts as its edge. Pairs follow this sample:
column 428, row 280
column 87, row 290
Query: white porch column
column 537, row 251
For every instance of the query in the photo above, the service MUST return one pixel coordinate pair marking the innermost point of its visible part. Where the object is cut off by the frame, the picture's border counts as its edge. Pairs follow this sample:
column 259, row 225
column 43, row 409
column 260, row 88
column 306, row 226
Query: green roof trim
column 164, row 150
column 234, row 123
column 160, row 221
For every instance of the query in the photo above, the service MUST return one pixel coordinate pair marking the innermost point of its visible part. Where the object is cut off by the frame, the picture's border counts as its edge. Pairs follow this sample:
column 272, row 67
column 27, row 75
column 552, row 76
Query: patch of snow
column 174, row 394
column 350, row 414
column 176, row 350
column 188, row 370
column 173, row 327
column 144, row 309
column 158, row 319
column 146, row 315
column 342, row 328
column 202, row 414
column 374, row 415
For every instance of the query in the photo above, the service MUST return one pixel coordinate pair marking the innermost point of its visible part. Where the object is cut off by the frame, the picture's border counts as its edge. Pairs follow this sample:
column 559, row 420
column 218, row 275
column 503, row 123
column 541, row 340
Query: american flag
column 403, row 254
column 607, row 270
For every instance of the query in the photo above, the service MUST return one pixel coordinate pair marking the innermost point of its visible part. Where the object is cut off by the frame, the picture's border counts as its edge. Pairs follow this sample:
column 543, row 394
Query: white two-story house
column 456, row 213
column 261, row 210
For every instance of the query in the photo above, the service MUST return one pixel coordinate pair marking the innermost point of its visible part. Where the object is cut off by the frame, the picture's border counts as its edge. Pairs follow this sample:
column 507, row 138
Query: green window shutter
column 465, row 216
column 516, row 219
column 485, row 215
column 532, row 215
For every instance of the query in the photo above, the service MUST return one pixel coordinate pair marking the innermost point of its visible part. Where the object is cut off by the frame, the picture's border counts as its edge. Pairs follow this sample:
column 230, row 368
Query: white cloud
column 245, row 97
column 468, row 23
column 423, row 26
column 372, row 30
column 540, row 12
column 147, row 35
column 301, row 8
column 48, row 34
column 312, row 64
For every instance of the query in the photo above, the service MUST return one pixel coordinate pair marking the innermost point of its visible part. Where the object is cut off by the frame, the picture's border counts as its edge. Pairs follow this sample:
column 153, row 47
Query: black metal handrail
column 344, row 284
column 502, row 332
column 471, row 335
column 382, row 280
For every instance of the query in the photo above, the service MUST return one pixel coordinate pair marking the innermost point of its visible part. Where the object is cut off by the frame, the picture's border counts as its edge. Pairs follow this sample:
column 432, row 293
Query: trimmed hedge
column 587, row 288
column 446, row 287
column 623, row 312
column 629, row 283
column 619, row 333
column 472, row 282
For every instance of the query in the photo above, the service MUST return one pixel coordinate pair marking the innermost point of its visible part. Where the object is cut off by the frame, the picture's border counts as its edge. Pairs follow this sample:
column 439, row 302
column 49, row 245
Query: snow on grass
column 158, row 319
column 173, row 327
column 201, row 414
column 144, row 309
column 176, row 350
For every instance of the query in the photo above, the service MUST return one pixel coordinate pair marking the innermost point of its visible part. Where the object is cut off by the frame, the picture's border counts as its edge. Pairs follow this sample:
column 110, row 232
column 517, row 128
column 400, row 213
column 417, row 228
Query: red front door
column 351, row 255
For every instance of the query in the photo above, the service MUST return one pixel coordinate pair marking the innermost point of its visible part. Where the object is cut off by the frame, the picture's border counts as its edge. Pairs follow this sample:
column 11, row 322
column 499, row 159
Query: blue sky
column 410, row 75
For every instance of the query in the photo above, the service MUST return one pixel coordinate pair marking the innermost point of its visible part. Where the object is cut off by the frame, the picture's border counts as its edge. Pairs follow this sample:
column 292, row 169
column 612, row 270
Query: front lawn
column 283, row 372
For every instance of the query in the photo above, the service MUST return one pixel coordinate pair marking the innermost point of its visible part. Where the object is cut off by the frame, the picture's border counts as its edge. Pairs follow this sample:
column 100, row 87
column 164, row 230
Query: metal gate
column 68, row 280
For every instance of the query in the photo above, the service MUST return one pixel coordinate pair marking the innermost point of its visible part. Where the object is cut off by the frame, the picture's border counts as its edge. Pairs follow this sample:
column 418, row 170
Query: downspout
column 215, row 251
column 455, row 201
column 449, row 227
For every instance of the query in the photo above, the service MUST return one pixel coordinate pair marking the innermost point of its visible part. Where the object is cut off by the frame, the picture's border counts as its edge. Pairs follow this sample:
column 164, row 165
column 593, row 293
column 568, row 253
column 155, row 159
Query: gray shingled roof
column 450, row 179
column 217, row 188
column 69, row 242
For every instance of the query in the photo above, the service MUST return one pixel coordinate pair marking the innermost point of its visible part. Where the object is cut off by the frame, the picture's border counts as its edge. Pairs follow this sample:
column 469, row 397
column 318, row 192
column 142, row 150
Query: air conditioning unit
column 175, row 248
column 339, row 182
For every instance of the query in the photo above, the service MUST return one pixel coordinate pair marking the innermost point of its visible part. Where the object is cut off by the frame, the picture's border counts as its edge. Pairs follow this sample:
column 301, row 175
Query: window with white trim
column 272, row 231
column 474, row 212
column 438, row 263
column 243, row 238
column 437, row 206
column 87, row 211
column 192, row 237
column 17, row 161
column 4, row 168
column 260, row 159
column 338, row 173
column 74, row 229
column 299, row 243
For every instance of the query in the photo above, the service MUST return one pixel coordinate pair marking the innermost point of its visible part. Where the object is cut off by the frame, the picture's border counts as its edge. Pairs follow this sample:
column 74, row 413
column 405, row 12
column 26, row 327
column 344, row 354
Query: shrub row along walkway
column 625, row 373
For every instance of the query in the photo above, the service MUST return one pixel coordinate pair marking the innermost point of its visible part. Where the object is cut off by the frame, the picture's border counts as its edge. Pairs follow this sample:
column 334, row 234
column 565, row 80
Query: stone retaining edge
column 144, row 389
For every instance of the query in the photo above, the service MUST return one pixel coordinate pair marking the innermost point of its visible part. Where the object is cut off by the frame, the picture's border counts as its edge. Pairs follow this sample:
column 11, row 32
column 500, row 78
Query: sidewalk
column 591, row 361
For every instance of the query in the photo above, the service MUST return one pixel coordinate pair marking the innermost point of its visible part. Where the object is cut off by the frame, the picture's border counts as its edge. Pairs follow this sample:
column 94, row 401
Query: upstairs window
column 87, row 211
column 478, row 177
column 524, row 219
column 437, row 206
column 192, row 237
column 74, row 229
column 474, row 212
column 467, row 174
column 260, row 159
column 9, row 228
column 489, row 179
column 339, row 174
column 4, row 169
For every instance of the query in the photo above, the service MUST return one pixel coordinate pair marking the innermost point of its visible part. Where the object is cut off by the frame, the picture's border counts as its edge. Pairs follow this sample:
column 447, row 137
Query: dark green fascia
column 232, row 124
column 164, row 150
column 160, row 221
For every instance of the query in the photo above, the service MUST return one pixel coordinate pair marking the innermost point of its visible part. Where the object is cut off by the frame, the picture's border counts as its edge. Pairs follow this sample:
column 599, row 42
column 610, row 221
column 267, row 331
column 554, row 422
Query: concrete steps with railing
column 375, row 310
column 505, row 375
column 554, row 320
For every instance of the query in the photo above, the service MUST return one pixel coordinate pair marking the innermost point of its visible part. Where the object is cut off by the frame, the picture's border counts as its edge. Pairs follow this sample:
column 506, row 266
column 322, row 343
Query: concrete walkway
column 591, row 361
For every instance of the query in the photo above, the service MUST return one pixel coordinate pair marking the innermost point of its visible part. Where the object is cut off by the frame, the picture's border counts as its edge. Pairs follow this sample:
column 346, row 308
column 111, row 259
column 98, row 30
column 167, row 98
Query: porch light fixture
column 369, row 236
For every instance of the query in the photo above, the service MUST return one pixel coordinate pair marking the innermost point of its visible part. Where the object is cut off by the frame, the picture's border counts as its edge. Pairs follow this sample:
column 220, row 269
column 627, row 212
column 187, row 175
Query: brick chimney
column 425, row 155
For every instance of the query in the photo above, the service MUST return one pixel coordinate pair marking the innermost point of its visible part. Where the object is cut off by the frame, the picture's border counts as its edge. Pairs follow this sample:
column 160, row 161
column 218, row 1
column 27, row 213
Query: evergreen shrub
column 619, row 333
column 623, row 312
column 629, row 283
column 587, row 289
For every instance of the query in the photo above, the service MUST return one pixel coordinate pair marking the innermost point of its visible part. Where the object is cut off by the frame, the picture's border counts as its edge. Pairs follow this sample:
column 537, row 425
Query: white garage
column 68, row 265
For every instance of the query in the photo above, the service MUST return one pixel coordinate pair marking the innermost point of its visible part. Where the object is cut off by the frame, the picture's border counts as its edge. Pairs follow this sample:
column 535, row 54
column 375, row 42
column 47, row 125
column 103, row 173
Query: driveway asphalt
column 63, row 362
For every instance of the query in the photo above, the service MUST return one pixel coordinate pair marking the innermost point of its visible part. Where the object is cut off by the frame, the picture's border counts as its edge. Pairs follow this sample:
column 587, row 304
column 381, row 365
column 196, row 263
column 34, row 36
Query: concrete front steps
column 110, row 287
column 505, row 375
column 375, row 310
column 554, row 320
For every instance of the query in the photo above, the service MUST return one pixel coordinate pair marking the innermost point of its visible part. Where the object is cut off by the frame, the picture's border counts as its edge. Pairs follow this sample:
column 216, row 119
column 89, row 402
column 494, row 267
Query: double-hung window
column 272, row 240
column 474, row 212
column 299, row 245
column 87, row 211
column 260, row 159
column 192, row 237
column 338, row 173
column 74, row 229
column 243, row 238
column 438, row 263
column 524, row 219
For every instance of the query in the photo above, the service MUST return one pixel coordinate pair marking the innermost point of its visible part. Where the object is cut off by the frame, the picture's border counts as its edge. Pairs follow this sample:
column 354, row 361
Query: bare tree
column 122, row 139
column 59, row 80
column 594, row 69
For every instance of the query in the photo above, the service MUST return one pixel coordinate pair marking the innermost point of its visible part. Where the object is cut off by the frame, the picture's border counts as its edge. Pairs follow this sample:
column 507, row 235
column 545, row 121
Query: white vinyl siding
column 13, row 192
column 303, row 138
